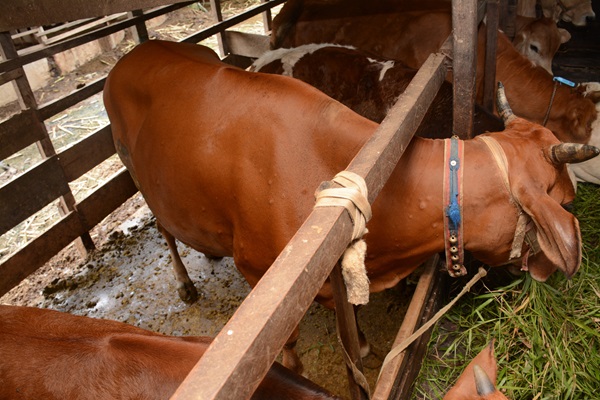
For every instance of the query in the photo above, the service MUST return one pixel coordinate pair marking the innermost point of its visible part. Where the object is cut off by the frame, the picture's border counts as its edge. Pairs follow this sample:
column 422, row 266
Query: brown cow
column 50, row 355
column 537, row 39
column 228, row 161
column 411, row 36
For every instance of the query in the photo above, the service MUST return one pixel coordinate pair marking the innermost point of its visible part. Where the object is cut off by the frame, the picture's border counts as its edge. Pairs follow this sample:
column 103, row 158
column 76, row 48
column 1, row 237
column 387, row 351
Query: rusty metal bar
column 241, row 354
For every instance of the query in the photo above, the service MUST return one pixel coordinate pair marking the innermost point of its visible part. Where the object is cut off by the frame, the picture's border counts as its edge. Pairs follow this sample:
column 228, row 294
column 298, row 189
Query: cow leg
column 185, row 287
column 290, row 356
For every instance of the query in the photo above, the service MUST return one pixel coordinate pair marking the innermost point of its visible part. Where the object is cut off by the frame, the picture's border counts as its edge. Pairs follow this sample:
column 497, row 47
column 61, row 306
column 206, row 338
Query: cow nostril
column 590, row 18
column 568, row 206
column 534, row 48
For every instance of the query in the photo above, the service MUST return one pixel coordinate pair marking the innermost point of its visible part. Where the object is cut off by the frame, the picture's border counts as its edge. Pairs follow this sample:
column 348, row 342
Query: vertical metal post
column 464, row 23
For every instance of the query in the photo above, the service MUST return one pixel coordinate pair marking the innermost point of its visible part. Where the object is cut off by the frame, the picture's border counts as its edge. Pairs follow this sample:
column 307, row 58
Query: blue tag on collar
column 564, row 81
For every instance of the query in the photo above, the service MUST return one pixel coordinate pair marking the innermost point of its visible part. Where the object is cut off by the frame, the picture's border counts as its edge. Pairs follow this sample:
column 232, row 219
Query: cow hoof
column 188, row 293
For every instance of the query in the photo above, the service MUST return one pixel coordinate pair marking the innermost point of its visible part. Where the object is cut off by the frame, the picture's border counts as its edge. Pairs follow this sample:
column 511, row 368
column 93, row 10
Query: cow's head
column 539, row 41
column 540, row 186
column 577, row 12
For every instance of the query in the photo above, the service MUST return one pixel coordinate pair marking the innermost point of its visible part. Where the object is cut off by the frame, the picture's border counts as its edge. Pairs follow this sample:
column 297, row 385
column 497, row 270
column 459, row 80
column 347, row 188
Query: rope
column 409, row 340
column 352, row 196
column 550, row 105
column 359, row 377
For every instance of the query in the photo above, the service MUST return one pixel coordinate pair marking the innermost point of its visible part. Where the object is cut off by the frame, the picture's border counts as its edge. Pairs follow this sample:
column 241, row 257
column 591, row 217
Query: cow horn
column 482, row 382
column 503, row 106
column 572, row 153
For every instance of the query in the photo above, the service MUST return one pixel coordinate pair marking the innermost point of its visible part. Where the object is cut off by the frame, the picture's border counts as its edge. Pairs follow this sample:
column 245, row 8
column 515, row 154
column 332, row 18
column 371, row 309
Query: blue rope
column 453, row 210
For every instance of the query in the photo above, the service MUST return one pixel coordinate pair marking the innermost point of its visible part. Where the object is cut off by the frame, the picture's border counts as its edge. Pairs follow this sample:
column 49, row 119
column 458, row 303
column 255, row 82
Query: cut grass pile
column 547, row 334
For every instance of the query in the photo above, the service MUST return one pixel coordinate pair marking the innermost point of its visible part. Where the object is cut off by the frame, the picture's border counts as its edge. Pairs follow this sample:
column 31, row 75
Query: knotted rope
column 353, row 197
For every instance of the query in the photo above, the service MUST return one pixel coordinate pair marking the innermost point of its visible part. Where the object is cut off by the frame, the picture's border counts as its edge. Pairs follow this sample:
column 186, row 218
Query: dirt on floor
column 129, row 279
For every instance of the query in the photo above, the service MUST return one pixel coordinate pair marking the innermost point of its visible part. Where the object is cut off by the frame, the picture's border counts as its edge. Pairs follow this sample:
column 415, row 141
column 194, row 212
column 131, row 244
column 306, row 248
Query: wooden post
column 215, row 5
column 347, row 330
column 267, row 19
column 27, row 102
column 139, row 32
column 489, row 83
column 464, row 24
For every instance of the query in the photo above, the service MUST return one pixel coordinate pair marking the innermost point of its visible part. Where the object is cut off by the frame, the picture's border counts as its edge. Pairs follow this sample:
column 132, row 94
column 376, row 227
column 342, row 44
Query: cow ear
column 557, row 233
column 564, row 35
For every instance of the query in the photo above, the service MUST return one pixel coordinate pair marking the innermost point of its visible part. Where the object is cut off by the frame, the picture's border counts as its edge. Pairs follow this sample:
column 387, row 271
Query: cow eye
column 533, row 47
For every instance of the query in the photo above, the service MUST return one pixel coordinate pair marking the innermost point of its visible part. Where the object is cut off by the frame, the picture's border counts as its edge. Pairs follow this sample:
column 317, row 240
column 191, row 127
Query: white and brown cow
column 411, row 36
column 368, row 85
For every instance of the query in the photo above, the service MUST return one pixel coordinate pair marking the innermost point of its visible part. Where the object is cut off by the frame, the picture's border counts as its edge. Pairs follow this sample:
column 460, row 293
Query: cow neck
column 525, row 230
column 453, row 202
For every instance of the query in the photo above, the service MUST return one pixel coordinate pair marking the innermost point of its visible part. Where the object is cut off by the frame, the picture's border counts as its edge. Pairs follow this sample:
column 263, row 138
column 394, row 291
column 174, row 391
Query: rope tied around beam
column 352, row 195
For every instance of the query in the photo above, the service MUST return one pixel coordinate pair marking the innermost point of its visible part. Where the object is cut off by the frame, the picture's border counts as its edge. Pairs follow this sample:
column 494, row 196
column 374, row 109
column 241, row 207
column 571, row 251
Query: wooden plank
column 347, row 330
column 464, row 23
column 87, row 153
column 57, row 106
column 81, row 29
column 241, row 354
column 247, row 44
column 18, row 132
column 15, row 14
column 489, row 83
column 228, row 23
column 106, row 199
column 91, row 211
column 29, row 193
column 389, row 371
column 10, row 76
column 27, row 260
column 413, row 356
column 48, row 51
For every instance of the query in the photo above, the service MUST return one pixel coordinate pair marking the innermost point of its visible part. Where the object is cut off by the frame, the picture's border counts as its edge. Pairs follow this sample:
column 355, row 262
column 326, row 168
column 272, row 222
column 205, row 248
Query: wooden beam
column 489, row 80
column 389, row 371
column 29, row 193
column 28, row 259
column 464, row 25
column 247, row 44
column 15, row 14
column 87, row 153
column 242, row 353
column 18, row 132
column 91, row 211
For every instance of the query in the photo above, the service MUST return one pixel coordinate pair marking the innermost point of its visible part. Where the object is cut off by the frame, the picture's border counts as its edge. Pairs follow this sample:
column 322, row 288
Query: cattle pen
column 241, row 362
